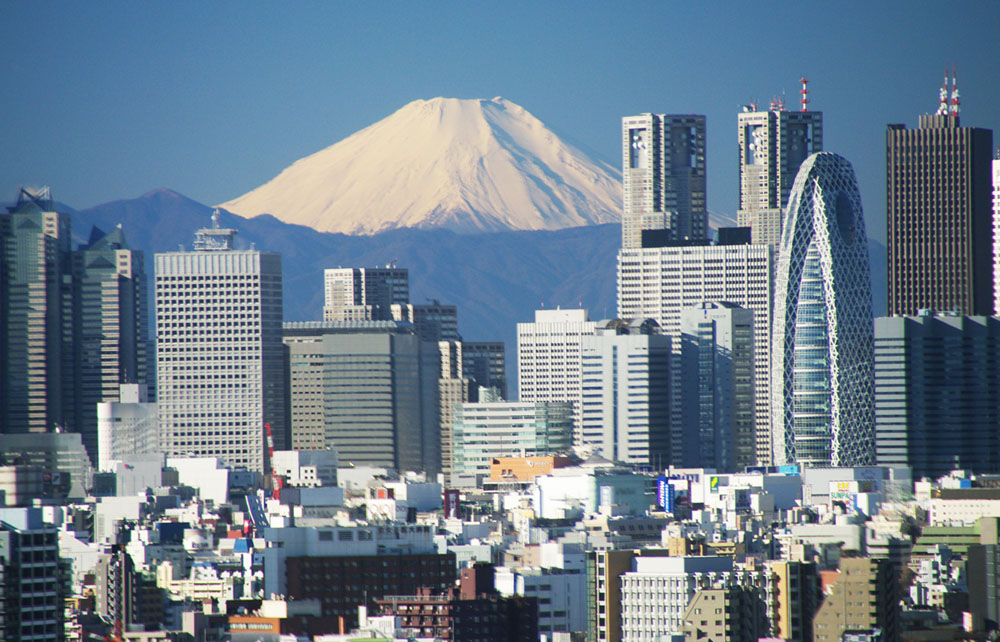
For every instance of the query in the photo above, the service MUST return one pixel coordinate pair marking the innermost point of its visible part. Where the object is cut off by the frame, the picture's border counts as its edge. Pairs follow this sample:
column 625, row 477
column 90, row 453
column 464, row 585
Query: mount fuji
column 468, row 166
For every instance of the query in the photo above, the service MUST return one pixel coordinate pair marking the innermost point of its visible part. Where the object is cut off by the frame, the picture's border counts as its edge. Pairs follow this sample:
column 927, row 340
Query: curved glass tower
column 823, row 401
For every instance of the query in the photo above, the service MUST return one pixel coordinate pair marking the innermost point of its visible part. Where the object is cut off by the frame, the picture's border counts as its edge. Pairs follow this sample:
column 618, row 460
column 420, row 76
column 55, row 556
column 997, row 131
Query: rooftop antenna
column 774, row 104
column 754, row 104
column 781, row 101
column 954, row 91
column 805, row 93
column 943, row 96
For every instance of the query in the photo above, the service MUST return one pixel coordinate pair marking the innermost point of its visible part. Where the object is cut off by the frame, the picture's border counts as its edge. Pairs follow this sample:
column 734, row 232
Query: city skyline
column 213, row 103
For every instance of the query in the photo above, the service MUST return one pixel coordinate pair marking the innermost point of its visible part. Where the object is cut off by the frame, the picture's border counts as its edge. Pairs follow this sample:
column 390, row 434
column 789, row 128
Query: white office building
column 625, row 397
column 219, row 357
column 127, row 427
column 484, row 430
column 659, row 282
column 548, row 357
column 655, row 594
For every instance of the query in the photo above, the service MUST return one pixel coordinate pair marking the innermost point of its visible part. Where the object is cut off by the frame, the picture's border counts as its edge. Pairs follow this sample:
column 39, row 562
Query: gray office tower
column 73, row 324
column 663, row 177
column 938, row 210
column 937, row 393
column 367, row 389
column 717, row 382
column 36, row 353
column 219, row 358
column 773, row 144
column 111, row 324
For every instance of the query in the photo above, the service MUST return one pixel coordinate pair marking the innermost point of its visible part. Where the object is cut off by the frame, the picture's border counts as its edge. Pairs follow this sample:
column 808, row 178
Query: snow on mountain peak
column 469, row 165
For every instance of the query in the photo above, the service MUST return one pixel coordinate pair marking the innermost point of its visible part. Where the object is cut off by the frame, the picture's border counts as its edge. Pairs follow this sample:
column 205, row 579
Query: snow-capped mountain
column 463, row 165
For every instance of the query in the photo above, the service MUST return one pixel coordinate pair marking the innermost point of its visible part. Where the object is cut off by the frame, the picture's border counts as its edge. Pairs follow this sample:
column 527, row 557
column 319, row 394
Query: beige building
column 862, row 597
column 734, row 614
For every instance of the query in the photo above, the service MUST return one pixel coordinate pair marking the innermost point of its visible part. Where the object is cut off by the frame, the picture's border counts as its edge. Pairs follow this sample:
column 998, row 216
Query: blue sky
column 107, row 100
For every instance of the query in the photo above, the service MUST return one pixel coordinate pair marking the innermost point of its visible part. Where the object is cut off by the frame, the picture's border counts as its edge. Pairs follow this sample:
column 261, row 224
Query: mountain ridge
column 504, row 276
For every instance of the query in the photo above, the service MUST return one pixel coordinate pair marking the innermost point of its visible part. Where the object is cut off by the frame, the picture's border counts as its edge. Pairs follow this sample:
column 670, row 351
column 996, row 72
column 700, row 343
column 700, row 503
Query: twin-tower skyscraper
column 798, row 261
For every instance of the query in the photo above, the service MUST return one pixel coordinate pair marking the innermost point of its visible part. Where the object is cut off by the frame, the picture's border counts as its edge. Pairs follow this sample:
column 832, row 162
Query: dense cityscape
column 745, row 452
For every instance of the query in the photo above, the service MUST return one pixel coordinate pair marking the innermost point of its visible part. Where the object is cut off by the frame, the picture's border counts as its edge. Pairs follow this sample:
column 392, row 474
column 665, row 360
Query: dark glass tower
column 939, row 219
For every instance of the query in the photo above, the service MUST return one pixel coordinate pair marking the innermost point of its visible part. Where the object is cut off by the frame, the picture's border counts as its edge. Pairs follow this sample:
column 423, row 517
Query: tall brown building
column 939, row 220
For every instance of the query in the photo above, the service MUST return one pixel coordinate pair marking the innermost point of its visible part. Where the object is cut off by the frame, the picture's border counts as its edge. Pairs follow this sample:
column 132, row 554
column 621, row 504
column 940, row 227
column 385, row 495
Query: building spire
column 943, row 96
column 805, row 93
column 954, row 91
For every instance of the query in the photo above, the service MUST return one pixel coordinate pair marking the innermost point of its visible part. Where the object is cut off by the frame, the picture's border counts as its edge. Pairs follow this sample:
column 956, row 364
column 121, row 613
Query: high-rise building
column 360, row 294
column 822, row 374
column 605, row 569
column 454, row 388
column 435, row 321
column 658, row 283
column 663, row 177
column 996, row 234
column 487, row 429
column 31, row 580
column 793, row 596
column 773, row 144
column 368, row 389
column 717, row 380
column 625, row 392
column 937, row 393
column 485, row 364
column 219, row 358
column 938, row 210
column 36, row 317
column 111, row 325
column 548, row 357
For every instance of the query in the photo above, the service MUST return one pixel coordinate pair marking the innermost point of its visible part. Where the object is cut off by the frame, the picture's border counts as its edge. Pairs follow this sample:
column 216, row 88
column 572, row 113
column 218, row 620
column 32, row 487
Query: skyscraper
column 996, row 234
column 219, row 357
column 822, row 375
column 358, row 294
column 111, row 325
column 663, row 177
column 773, row 144
column 625, row 392
column 938, row 210
column 717, row 386
column 368, row 389
column 548, row 358
column 36, row 316
column 937, row 393
column 658, row 283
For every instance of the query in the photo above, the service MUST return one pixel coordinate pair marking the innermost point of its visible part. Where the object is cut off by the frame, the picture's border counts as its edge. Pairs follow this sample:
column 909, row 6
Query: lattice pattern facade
column 823, row 381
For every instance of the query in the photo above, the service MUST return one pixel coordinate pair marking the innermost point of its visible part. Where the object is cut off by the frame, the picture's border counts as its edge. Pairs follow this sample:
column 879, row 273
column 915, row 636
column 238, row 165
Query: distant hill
column 496, row 279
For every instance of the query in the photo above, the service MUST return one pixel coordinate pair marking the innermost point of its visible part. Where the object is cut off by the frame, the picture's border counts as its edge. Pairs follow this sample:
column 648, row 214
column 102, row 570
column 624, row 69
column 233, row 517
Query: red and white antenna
column 943, row 96
column 954, row 91
column 805, row 94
